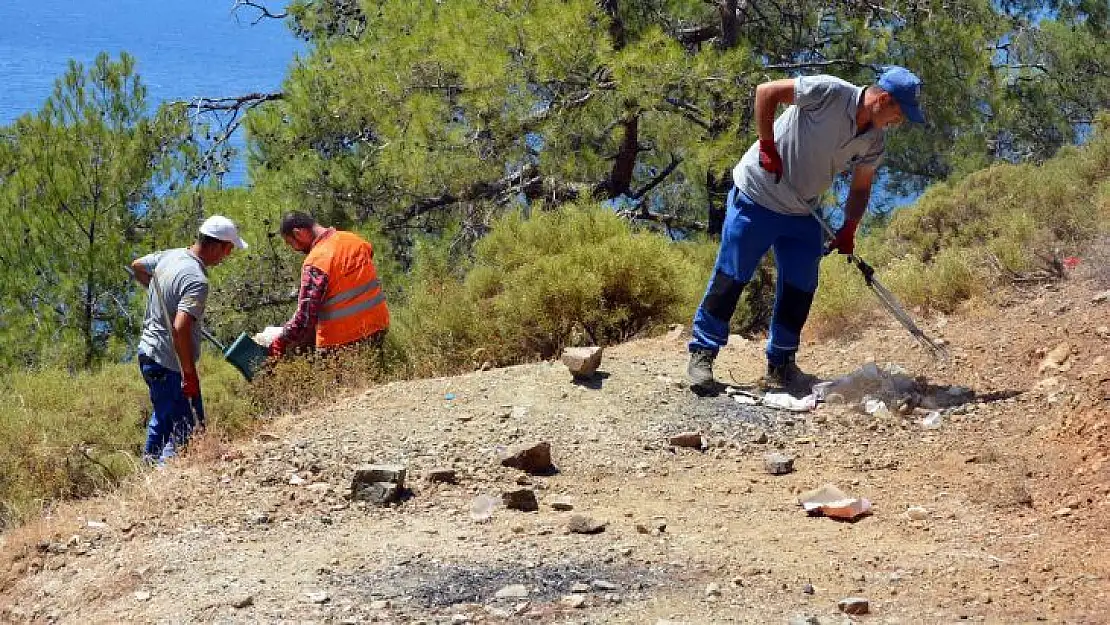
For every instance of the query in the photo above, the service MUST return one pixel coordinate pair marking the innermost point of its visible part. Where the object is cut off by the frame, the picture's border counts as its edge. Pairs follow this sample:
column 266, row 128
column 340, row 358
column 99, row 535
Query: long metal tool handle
column 886, row 298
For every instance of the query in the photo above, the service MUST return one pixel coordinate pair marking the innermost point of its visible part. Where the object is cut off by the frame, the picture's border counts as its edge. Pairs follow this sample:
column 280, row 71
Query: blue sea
column 184, row 49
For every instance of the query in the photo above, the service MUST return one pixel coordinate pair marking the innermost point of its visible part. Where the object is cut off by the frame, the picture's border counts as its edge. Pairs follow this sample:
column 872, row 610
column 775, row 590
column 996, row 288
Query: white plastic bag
column 267, row 336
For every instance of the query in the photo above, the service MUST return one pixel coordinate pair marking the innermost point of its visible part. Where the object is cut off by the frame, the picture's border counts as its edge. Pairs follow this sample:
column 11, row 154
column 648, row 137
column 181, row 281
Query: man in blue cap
column 828, row 127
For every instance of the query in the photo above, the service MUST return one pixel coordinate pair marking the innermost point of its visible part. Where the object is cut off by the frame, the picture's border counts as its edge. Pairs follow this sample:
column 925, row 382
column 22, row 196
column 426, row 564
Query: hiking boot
column 788, row 377
column 700, row 369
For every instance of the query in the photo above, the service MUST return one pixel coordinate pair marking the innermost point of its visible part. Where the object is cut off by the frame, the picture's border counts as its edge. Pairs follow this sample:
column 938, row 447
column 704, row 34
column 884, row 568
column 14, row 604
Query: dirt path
column 1015, row 484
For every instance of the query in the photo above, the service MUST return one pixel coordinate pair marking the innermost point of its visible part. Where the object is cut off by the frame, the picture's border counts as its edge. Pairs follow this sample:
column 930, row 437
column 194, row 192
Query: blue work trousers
column 749, row 231
column 174, row 416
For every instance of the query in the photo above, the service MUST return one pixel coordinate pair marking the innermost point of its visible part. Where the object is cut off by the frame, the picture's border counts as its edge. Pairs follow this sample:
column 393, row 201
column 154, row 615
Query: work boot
column 788, row 377
column 700, row 369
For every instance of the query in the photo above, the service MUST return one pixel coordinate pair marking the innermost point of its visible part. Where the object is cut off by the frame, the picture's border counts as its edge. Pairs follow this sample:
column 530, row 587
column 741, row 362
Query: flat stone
column 579, row 587
column 381, row 604
column 778, row 464
column 574, row 601
column 443, row 476
column 604, row 585
column 242, row 601
column 582, row 361
column 808, row 589
column 917, row 513
column 803, row 619
column 760, row 439
column 854, row 606
column 692, row 440
column 562, row 504
column 523, row 499
column 512, row 591
column 317, row 597
column 530, row 458
column 713, row 590
column 141, row 595
column 582, row 524
column 1101, row 297
column 377, row 493
column 389, row 473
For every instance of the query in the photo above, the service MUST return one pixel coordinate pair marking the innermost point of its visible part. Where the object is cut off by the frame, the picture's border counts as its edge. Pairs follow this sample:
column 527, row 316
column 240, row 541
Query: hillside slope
column 1016, row 486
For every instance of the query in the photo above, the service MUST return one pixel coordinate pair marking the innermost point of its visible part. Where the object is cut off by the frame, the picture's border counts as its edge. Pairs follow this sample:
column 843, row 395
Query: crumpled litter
column 830, row 501
column 785, row 401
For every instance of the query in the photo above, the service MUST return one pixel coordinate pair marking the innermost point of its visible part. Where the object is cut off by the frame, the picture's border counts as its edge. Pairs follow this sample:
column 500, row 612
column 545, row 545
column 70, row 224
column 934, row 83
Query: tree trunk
column 716, row 209
column 90, row 297
column 616, row 26
column 729, row 11
column 620, row 180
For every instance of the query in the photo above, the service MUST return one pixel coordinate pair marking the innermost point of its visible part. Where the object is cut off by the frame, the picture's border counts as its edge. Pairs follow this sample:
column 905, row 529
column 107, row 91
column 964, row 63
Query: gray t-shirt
column 817, row 139
column 183, row 280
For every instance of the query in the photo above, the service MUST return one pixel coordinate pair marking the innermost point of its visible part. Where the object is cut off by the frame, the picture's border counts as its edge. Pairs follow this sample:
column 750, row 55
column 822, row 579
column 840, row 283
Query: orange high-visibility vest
column 354, row 305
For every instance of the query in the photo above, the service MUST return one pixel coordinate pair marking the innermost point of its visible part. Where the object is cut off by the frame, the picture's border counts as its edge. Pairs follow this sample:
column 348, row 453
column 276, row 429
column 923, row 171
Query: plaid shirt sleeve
column 314, row 284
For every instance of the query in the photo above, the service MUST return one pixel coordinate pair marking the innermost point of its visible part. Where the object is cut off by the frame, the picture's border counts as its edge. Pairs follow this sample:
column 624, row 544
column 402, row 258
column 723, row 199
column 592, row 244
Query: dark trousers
column 174, row 416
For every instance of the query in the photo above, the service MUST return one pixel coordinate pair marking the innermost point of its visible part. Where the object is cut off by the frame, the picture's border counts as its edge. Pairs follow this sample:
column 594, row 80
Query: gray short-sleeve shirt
column 817, row 138
column 183, row 280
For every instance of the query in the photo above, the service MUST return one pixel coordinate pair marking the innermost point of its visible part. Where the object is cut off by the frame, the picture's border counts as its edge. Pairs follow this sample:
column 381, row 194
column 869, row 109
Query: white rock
column 513, row 591
column 917, row 513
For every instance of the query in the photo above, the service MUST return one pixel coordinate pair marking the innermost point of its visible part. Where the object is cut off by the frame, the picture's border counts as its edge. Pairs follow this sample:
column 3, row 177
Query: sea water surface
column 184, row 49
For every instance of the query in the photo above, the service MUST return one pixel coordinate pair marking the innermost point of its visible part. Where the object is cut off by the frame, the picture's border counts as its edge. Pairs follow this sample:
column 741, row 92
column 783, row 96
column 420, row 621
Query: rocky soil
column 999, row 512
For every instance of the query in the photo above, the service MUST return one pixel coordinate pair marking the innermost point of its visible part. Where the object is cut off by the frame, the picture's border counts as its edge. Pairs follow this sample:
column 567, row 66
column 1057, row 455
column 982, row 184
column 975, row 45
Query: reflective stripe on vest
column 350, row 294
column 332, row 315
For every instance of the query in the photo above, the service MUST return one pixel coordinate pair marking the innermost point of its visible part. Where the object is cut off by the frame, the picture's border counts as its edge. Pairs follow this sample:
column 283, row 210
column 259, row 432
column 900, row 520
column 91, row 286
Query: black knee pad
column 724, row 293
column 793, row 307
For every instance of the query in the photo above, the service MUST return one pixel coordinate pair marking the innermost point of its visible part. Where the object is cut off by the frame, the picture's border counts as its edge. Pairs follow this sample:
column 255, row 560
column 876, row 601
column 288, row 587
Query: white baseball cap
column 222, row 228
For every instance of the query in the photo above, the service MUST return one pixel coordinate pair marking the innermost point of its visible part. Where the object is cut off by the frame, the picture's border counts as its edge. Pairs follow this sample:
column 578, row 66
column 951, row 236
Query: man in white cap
column 169, row 348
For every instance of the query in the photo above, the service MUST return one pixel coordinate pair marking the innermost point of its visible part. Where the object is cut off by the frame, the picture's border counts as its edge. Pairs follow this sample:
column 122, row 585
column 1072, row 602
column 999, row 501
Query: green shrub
column 66, row 435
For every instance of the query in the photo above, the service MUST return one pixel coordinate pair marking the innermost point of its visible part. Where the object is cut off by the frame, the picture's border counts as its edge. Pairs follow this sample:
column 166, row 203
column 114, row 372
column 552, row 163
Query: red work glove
column 190, row 385
column 769, row 158
column 277, row 348
column 845, row 240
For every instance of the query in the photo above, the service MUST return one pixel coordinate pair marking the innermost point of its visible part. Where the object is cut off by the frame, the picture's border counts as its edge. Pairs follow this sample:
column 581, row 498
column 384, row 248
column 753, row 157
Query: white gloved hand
column 267, row 336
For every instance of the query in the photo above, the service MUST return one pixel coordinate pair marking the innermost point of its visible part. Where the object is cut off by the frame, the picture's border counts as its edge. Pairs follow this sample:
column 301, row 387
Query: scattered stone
column 1103, row 331
column 562, row 504
column 917, row 513
column 377, row 493
column 531, row 458
column 604, row 585
column 582, row 361
column 512, row 591
column 1101, row 297
column 390, row 473
column 854, row 606
column 379, row 484
column 380, row 604
column 713, row 590
column 778, row 464
column 296, row 480
column 574, row 601
column 803, row 619
column 1056, row 359
column 761, row 439
column 267, row 437
column 523, row 499
column 1063, row 512
column 319, row 487
column 675, row 331
column 808, row 589
column 443, row 476
column 612, row 597
column 579, row 587
column 582, row 524
column 142, row 595
column 317, row 597
column 692, row 440
column 242, row 601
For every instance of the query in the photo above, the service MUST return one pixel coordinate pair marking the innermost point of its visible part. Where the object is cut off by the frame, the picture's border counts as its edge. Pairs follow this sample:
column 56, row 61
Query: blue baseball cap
column 905, row 86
